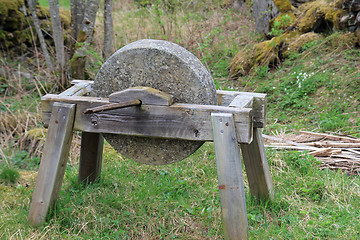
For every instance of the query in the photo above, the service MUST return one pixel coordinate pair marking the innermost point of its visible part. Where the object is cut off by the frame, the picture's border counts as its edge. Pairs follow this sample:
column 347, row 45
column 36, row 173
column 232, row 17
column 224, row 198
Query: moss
column 285, row 20
column 295, row 45
column 267, row 52
column 320, row 16
column 81, row 36
column 8, row 5
column 334, row 15
column 317, row 11
column 284, row 6
column 36, row 133
column 77, row 66
column 342, row 39
column 357, row 36
column 22, row 36
column 241, row 63
column 10, row 16
column 42, row 12
column 271, row 52
column 65, row 15
column 262, row 54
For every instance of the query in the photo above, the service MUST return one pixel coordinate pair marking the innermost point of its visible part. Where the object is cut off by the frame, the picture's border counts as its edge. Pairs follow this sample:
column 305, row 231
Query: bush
column 9, row 175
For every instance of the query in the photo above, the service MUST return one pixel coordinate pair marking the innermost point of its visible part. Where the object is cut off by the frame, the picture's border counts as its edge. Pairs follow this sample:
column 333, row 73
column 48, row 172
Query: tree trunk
column 87, row 26
column 108, row 29
column 32, row 4
column 84, row 38
column 77, row 15
column 238, row 4
column 57, row 33
column 264, row 11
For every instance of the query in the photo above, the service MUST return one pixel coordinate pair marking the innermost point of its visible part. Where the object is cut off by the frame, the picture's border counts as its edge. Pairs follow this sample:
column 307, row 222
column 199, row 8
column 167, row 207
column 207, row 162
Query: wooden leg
column 90, row 156
column 53, row 162
column 229, row 170
column 257, row 167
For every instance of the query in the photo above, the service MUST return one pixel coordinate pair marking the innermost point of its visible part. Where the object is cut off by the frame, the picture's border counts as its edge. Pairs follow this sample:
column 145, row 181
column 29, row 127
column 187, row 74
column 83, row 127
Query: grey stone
column 264, row 11
column 164, row 66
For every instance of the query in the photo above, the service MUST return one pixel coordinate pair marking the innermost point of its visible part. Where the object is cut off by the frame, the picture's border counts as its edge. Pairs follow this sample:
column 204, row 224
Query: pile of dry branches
column 333, row 151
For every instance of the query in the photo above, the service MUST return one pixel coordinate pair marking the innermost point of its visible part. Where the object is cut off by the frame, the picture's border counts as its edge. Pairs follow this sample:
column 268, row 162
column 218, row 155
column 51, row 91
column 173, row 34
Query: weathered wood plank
column 48, row 100
column 75, row 81
column 229, row 170
column 53, row 162
column 79, row 89
column 225, row 98
column 180, row 121
column 257, row 168
column 90, row 157
column 242, row 101
column 147, row 95
column 332, row 137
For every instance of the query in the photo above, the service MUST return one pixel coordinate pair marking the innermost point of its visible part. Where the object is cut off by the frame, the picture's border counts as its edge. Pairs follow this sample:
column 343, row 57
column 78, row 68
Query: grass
column 62, row 3
column 180, row 201
column 9, row 175
column 317, row 89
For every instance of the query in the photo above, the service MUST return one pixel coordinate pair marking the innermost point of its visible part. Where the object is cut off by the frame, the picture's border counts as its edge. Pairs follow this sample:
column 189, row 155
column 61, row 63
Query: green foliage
column 352, row 54
column 303, row 163
column 279, row 24
column 309, row 45
column 22, row 159
column 333, row 118
column 93, row 63
column 262, row 71
column 296, row 90
column 9, row 175
column 62, row 3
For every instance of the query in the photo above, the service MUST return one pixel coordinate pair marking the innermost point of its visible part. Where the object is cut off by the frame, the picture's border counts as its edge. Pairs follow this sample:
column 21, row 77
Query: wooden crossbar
column 180, row 121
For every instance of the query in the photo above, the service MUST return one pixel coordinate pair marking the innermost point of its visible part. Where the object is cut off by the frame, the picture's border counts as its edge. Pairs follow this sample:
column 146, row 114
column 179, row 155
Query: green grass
column 317, row 91
column 62, row 3
column 9, row 175
column 180, row 201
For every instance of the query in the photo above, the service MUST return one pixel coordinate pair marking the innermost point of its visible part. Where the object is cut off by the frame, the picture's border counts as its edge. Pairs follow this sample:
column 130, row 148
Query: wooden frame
column 236, row 120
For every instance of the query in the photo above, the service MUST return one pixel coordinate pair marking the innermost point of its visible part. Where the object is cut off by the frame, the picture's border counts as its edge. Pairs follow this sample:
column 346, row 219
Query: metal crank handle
column 111, row 106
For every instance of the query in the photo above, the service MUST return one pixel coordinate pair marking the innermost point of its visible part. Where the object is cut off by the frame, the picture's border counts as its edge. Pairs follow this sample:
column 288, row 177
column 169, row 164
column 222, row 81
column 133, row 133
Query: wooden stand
column 237, row 120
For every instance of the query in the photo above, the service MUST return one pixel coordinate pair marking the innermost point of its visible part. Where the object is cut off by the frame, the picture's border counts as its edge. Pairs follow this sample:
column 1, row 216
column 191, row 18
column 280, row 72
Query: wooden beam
column 242, row 101
column 332, row 137
column 90, row 157
column 76, row 81
column 53, row 162
column 178, row 121
column 227, row 98
column 79, row 89
column 257, row 168
column 147, row 96
column 229, row 170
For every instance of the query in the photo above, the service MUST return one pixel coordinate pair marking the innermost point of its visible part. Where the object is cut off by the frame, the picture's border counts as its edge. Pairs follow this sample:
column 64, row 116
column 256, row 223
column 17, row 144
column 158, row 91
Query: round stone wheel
column 164, row 66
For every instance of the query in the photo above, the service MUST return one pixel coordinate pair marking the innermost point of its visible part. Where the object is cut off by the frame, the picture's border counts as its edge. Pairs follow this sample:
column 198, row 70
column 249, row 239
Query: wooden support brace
column 229, row 170
column 254, row 155
column 53, row 162
column 79, row 89
column 241, row 99
column 90, row 156
column 257, row 167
